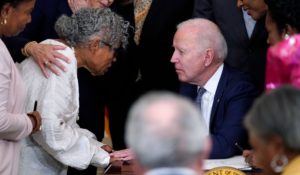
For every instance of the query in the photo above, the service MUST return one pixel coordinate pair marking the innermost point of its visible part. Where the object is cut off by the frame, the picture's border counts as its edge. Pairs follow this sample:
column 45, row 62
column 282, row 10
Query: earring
column 4, row 21
column 286, row 36
column 278, row 167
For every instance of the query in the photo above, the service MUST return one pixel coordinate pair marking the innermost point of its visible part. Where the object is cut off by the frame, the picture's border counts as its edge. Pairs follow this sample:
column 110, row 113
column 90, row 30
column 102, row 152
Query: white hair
column 208, row 35
column 165, row 130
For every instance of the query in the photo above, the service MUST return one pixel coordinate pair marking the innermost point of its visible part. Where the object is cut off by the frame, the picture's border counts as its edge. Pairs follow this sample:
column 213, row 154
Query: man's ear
column 209, row 56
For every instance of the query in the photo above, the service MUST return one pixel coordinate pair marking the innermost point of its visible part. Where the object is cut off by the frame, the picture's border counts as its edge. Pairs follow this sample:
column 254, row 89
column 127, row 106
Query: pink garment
column 283, row 64
column 14, row 123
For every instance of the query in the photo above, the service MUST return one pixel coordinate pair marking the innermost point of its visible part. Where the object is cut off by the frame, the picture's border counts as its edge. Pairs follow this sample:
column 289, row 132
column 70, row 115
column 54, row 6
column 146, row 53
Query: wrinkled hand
column 124, row 155
column 46, row 56
column 107, row 148
column 36, row 121
column 77, row 4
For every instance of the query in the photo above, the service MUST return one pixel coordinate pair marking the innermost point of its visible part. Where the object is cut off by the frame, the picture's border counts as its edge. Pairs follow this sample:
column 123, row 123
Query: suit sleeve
column 203, row 9
column 229, row 129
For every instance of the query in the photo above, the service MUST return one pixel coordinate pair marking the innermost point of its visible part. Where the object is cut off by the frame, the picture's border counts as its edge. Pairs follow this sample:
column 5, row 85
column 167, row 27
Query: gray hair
column 277, row 113
column 209, row 36
column 88, row 23
column 165, row 130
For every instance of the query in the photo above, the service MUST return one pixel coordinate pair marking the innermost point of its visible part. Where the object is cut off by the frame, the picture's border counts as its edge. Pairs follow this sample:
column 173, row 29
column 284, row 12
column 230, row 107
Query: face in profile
column 274, row 35
column 100, row 3
column 99, row 57
column 255, row 8
column 188, row 60
column 17, row 17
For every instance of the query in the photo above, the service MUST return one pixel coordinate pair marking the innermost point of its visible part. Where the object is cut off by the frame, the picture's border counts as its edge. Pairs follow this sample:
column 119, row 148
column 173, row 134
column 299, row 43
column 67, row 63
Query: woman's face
column 17, row 17
column 255, row 8
column 100, row 3
column 263, row 151
column 274, row 36
column 99, row 58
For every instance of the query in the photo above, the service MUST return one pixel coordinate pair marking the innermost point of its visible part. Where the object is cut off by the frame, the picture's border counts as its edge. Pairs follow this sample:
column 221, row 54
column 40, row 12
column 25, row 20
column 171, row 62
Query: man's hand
column 46, row 56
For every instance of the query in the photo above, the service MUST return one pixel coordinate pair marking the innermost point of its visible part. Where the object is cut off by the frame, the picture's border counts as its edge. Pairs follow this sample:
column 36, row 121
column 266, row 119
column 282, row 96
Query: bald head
column 207, row 34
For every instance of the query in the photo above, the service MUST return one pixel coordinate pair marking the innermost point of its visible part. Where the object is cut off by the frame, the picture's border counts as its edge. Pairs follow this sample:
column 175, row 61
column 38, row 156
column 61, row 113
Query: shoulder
column 235, row 81
column 6, row 59
column 68, row 52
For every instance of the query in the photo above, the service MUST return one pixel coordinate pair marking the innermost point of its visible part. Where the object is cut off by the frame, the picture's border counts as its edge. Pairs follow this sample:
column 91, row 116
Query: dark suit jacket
column 155, row 49
column 234, row 96
column 244, row 53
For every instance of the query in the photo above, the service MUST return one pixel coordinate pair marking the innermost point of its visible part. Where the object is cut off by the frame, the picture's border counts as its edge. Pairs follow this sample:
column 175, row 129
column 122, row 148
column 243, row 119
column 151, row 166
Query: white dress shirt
column 249, row 23
column 208, row 97
column 61, row 142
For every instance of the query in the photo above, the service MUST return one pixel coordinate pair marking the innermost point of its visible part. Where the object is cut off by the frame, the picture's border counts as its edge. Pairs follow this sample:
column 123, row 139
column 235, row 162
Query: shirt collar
column 212, row 84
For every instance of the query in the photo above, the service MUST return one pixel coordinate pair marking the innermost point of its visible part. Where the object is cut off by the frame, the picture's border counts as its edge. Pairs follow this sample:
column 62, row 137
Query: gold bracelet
column 24, row 50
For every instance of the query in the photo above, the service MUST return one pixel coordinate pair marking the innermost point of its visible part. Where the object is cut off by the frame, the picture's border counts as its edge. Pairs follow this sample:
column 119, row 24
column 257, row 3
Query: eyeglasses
column 103, row 44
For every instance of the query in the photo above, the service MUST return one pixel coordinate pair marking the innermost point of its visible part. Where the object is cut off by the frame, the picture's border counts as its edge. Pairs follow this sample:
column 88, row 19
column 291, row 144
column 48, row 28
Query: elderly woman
column 90, row 37
column 14, row 123
column 273, row 124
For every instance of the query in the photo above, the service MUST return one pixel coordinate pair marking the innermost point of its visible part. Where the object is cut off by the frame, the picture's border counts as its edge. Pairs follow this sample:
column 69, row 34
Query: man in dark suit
column 224, row 94
column 246, row 39
column 154, row 47
column 93, row 90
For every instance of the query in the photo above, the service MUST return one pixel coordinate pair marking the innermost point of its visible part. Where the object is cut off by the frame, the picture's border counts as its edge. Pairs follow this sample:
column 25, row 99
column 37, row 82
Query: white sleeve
column 60, row 135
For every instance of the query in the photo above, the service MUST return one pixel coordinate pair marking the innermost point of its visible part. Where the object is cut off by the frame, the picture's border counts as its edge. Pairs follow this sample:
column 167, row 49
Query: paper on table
column 237, row 162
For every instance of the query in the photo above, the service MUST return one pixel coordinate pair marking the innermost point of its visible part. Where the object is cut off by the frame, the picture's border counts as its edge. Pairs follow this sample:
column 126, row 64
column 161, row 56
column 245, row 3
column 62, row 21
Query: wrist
column 26, row 49
column 33, row 121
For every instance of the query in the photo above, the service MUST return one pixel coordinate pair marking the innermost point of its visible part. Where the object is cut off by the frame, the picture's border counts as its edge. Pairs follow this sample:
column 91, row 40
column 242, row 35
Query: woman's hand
column 124, row 155
column 250, row 158
column 107, row 148
column 46, row 56
column 36, row 121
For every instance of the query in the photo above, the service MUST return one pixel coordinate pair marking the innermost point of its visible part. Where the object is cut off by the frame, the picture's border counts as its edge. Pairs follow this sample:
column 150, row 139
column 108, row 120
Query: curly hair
column 88, row 23
column 285, row 12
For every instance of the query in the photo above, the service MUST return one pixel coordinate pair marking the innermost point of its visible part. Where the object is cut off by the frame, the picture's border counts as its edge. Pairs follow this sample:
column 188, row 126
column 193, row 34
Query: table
column 126, row 169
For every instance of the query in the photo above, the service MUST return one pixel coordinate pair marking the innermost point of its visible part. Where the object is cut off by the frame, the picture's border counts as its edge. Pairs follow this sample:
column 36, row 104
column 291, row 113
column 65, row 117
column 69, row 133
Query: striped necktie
column 198, row 99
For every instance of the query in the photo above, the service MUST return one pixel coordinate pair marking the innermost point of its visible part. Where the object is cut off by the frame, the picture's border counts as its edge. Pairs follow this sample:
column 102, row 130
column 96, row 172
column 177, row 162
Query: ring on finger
column 46, row 63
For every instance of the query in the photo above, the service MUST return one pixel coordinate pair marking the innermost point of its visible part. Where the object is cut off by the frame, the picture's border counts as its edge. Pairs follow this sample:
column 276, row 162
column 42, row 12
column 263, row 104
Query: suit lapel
column 259, row 27
column 218, row 95
column 242, row 27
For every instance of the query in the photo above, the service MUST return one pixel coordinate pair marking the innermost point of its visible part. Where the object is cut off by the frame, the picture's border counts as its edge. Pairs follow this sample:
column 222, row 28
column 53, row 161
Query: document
column 237, row 162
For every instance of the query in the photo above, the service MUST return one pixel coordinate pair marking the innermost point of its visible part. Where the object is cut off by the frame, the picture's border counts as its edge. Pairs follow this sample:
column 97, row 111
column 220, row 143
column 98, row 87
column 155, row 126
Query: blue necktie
column 198, row 99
